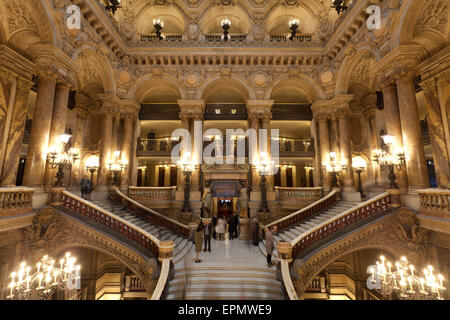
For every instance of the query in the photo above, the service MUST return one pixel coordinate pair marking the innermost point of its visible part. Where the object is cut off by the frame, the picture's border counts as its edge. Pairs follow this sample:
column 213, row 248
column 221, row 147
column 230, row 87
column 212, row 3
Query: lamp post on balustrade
column 264, row 167
column 91, row 165
column 187, row 168
column 62, row 159
column 334, row 168
column 390, row 159
column 117, row 166
column 360, row 166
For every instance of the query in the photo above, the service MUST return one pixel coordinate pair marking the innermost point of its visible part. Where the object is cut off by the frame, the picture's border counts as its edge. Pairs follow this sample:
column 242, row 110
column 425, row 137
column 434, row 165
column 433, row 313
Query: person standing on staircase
column 270, row 244
column 198, row 239
column 86, row 187
column 208, row 234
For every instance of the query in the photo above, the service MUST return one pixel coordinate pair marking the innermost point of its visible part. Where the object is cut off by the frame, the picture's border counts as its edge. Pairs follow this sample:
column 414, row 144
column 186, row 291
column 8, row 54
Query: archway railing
column 287, row 251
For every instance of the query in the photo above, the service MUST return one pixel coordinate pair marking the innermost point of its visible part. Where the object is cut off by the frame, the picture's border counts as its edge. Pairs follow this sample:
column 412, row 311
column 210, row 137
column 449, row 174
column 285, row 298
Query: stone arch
column 236, row 83
column 304, row 83
column 240, row 18
column 414, row 24
column 100, row 68
column 279, row 14
column 175, row 20
column 146, row 83
column 349, row 66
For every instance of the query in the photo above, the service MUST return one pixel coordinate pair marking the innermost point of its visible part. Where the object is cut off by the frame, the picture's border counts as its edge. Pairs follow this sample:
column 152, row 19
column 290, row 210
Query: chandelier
column 187, row 167
column 339, row 6
column 226, row 25
column 403, row 280
column 334, row 168
column 116, row 166
column 293, row 24
column 113, row 6
column 45, row 280
column 158, row 25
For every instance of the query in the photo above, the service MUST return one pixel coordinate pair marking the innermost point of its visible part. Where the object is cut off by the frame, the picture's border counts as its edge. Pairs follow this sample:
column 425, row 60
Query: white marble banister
column 152, row 193
column 162, row 281
column 298, row 193
column 15, row 201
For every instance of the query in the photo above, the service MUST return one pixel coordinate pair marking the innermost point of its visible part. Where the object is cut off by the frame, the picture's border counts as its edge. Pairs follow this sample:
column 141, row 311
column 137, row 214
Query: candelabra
column 186, row 166
column 334, row 168
column 158, row 25
column 293, row 24
column 404, row 281
column 114, row 5
column 92, row 164
column 360, row 166
column 390, row 161
column 339, row 6
column 62, row 159
column 264, row 167
column 117, row 166
column 226, row 25
column 45, row 280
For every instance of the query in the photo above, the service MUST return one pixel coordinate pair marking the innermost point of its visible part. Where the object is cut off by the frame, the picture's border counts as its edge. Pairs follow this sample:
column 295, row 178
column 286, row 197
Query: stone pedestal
column 40, row 198
column 352, row 196
column 165, row 249
column 395, row 198
column 243, row 231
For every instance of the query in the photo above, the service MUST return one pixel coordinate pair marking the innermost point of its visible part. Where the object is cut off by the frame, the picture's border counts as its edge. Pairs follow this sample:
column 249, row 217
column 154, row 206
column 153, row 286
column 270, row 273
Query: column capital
column 429, row 87
column 192, row 109
column 341, row 103
column 259, row 108
column 52, row 61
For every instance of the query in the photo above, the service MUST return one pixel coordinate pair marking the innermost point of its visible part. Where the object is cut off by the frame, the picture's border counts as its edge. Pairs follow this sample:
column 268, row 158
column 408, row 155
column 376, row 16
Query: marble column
column 324, row 136
column 370, row 114
column 437, row 135
column 394, row 127
column 196, row 154
column 15, row 134
column 126, row 149
column 308, row 177
column 334, row 143
column 265, row 124
column 253, row 153
column 58, row 126
column 79, row 135
column 346, row 151
column 40, row 131
column 116, row 133
column 317, row 171
column 136, row 134
column 105, row 150
column 412, row 133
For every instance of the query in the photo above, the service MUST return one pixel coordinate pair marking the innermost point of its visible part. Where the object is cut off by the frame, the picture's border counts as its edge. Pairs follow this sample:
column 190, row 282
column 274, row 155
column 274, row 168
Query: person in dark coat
column 214, row 223
column 270, row 244
column 198, row 239
column 86, row 187
column 207, row 238
column 255, row 230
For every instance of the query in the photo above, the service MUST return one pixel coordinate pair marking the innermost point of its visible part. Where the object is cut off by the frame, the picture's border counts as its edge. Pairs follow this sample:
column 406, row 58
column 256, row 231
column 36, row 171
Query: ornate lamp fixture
column 186, row 166
column 405, row 281
column 359, row 166
column 114, row 5
column 390, row 161
column 334, row 168
column 158, row 25
column 62, row 159
column 91, row 165
column 45, row 280
column 339, row 6
column 226, row 25
column 116, row 166
column 264, row 167
column 293, row 24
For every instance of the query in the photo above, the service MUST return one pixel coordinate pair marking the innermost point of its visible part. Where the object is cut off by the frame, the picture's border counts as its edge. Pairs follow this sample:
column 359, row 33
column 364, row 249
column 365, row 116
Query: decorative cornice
column 436, row 65
column 15, row 64
column 259, row 108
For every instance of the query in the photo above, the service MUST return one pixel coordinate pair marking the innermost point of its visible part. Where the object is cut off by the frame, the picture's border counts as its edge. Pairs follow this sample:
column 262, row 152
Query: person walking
column 198, row 239
column 214, row 225
column 86, row 187
column 270, row 244
column 207, row 238
column 235, row 224
column 221, row 228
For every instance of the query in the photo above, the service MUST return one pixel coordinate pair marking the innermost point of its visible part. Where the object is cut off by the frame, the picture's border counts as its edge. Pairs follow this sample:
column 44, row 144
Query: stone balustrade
column 133, row 284
column 298, row 194
column 15, row 201
column 435, row 202
column 152, row 193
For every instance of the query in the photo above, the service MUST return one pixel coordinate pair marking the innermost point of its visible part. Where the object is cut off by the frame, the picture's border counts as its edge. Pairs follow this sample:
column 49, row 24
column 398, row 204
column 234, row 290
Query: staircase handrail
column 304, row 213
column 374, row 207
column 151, row 215
column 93, row 212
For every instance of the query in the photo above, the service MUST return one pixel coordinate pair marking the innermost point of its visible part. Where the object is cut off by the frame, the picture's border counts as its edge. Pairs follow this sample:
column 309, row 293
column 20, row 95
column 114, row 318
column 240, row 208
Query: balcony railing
column 303, row 214
column 133, row 284
column 298, row 194
column 155, row 38
column 232, row 38
column 152, row 193
column 15, row 201
column 435, row 202
column 285, row 38
column 317, row 284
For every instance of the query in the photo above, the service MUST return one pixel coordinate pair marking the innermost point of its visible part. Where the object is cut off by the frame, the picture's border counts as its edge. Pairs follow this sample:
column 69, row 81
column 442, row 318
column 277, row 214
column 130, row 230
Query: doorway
column 225, row 207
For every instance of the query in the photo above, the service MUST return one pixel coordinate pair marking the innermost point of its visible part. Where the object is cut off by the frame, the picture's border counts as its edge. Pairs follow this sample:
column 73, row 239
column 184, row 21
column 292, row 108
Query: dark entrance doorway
column 225, row 207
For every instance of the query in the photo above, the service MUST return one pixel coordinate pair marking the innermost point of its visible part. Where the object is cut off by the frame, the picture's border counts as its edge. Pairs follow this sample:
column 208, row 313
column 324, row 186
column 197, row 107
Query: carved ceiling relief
column 90, row 66
column 19, row 16
column 435, row 16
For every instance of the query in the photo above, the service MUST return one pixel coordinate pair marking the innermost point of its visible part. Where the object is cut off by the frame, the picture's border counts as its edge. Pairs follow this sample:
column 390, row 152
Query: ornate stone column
column 324, row 136
column 126, row 149
column 370, row 114
column 58, row 126
column 253, row 153
column 40, row 130
column 15, row 134
column 412, row 134
column 317, row 172
column 437, row 135
column 393, row 126
column 79, row 135
column 105, row 147
column 346, row 148
column 265, row 124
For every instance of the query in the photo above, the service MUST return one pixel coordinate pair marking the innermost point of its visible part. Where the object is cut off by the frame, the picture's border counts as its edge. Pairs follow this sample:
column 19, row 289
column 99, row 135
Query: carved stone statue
column 243, row 202
column 207, row 203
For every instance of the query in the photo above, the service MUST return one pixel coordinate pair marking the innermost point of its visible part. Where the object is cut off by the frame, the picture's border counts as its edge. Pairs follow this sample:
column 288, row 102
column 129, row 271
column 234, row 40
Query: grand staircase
column 182, row 246
column 232, row 271
column 294, row 231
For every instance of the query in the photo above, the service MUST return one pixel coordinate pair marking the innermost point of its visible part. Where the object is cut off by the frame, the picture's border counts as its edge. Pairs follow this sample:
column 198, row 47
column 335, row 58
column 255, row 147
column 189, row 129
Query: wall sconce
column 91, row 165
column 388, row 160
column 226, row 25
column 62, row 159
column 360, row 166
column 334, row 168
column 116, row 166
column 293, row 24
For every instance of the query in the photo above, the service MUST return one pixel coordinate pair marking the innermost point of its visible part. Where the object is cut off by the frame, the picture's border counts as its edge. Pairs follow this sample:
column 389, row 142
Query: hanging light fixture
column 293, row 24
column 226, row 25
column 113, row 6
column 339, row 6
column 405, row 281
